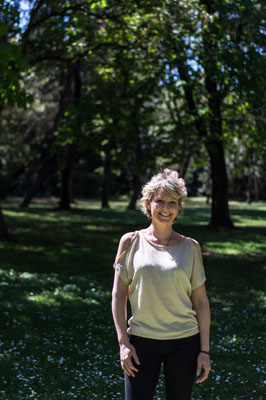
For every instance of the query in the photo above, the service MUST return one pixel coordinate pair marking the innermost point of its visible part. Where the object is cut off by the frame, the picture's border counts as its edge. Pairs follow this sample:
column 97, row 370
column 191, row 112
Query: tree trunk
column 48, row 160
column 107, row 174
column 10, row 181
column 67, row 156
column 47, row 167
column 136, row 191
column 256, row 187
column 183, row 167
column 3, row 229
column 220, row 218
column 210, row 130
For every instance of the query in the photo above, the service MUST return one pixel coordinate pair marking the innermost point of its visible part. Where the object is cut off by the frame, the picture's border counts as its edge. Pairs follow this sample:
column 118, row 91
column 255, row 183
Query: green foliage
column 156, row 82
column 12, row 63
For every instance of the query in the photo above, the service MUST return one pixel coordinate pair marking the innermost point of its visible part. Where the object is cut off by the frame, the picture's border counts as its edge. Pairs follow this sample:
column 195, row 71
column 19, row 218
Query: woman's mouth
column 165, row 215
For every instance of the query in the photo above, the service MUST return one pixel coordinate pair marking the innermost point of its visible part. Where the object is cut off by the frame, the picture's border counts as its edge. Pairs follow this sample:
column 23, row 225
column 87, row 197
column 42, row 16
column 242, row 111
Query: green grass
column 57, row 339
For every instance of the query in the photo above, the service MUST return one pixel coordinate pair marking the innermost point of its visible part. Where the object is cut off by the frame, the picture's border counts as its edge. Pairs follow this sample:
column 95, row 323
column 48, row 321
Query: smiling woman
column 170, row 182
column 161, row 273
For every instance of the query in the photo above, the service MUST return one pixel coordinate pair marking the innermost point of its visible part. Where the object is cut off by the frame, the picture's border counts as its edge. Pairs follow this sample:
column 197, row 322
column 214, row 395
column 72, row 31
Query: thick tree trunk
column 3, row 229
column 210, row 131
column 67, row 157
column 220, row 218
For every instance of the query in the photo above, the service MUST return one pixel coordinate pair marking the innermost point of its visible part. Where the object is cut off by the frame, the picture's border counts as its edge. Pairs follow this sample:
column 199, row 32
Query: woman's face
column 163, row 206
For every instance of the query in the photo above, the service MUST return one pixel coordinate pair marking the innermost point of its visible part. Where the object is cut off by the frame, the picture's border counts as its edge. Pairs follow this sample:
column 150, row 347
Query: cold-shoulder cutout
column 124, row 245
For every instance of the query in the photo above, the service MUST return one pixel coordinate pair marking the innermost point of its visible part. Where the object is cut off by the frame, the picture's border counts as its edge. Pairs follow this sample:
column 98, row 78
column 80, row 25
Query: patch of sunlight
column 34, row 249
column 28, row 275
column 222, row 248
column 221, row 300
column 230, row 339
column 53, row 298
column 90, row 301
column 42, row 298
column 245, row 206
column 21, row 214
column 15, row 213
column 236, row 247
column 101, row 228
column 69, row 292
column 86, row 204
column 65, row 251
column 240, row 221
column 117, row 205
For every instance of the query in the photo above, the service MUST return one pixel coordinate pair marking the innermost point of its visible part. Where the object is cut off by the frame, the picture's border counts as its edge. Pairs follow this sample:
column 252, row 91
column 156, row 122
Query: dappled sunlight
column 57, row 338
column 50, row 334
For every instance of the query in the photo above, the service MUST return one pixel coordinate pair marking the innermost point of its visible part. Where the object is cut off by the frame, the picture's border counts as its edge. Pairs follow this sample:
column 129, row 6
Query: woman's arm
column 200, row 304
column 119, row 309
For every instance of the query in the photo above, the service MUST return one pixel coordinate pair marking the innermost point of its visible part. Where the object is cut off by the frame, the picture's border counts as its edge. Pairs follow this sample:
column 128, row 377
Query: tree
column 12, row 64
column 147, row 84
column 207, row 45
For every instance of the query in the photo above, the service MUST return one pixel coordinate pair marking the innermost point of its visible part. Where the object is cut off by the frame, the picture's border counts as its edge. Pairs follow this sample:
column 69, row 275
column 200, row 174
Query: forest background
column 97, row 96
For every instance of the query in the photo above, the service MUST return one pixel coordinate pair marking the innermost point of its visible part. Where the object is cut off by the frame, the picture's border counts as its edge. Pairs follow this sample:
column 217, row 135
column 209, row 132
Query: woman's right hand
column 127, row 353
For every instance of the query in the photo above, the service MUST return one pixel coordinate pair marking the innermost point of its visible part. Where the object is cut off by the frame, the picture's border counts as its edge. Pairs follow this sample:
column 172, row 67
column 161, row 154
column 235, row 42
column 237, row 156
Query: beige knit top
column 160, row 280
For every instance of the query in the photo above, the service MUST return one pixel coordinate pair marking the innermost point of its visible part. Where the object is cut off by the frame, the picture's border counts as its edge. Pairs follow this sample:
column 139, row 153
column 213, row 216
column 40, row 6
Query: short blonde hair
column 168, row 180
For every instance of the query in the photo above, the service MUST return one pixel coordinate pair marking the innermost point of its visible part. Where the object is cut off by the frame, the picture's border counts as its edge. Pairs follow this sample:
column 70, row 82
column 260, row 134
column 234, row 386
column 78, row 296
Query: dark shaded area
column 55, row 291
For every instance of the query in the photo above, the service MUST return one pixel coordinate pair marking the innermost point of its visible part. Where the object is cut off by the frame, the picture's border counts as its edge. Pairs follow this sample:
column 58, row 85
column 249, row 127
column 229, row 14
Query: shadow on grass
column 57, row 337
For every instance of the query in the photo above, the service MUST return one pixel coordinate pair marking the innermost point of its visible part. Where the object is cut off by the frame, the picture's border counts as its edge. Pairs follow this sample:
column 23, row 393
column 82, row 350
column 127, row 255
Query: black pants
column 179, row 359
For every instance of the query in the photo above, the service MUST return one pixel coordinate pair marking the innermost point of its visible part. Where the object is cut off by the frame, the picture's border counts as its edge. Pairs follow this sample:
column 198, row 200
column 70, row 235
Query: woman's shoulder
column 192, row 242
column 127, row 239
column 125, row 244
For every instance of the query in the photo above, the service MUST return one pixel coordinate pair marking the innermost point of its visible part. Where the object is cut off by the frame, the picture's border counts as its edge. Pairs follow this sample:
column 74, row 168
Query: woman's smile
column 164, row 206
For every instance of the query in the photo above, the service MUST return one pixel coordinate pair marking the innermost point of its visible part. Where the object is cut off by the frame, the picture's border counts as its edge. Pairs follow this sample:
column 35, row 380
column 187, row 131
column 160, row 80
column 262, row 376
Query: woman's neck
column 160, row 234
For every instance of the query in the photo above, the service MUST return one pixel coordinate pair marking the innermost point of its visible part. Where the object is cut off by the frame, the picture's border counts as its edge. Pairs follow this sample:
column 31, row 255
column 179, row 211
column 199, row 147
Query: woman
column 160, row 271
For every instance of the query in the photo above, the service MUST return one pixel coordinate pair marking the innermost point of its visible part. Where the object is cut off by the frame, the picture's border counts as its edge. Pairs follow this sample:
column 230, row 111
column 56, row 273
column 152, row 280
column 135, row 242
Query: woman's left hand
column 203, row 367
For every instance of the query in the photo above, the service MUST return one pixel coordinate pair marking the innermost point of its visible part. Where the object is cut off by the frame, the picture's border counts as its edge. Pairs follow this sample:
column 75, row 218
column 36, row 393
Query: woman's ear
column 148, row 204
column 148, row 207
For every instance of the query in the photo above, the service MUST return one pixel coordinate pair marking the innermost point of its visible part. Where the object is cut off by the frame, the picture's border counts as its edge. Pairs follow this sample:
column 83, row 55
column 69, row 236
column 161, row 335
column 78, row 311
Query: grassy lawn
column 57, row 339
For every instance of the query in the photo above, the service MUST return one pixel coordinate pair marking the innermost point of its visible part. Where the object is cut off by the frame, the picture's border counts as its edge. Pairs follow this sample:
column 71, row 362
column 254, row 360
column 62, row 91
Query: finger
column 129, row 371
column 135, row 357
column 125, row 369
column 204, row 376
column 199, row 367
column 129, row 368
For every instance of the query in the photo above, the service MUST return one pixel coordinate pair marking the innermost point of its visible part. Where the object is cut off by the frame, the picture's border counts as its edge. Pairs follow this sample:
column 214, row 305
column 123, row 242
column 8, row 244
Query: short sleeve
column 124, row 263
column 121, row 267
column 198, row 274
